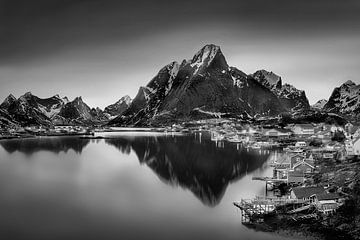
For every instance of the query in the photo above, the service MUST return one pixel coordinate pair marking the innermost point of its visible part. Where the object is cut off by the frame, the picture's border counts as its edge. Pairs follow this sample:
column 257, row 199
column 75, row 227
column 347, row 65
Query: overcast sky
column 104, row 49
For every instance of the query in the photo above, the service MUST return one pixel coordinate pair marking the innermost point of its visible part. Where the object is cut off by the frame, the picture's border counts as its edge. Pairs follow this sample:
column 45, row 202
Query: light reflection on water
column 132, row 186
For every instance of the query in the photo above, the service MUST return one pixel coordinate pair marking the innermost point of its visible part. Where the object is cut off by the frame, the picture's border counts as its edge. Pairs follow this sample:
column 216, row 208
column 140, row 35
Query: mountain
column 118, row 108
column 268, row 79
column 78, row 112
column 32, row 110
column 320, row 104
column 344, row 99
column 7, row 102
column 290, row 97
column 5, row 119
column 98, row 115
column 203, row 87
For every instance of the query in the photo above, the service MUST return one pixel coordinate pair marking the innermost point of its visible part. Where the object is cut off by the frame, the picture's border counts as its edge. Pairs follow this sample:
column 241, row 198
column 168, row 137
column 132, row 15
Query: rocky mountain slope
column 32, row 110
column 291, row 98
column 319, row 105
column 118, row 108
column 206, row 86
column 344, row 100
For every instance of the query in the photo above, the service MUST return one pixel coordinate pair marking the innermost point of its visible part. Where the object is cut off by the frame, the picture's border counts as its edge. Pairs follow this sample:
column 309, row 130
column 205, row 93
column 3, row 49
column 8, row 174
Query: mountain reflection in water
column 203, row 168
column 53, row 144
column 56, row 188
column 200, row 166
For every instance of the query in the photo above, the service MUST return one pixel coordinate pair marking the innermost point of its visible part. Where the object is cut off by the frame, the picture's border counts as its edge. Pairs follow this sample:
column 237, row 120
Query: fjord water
column 129, row 186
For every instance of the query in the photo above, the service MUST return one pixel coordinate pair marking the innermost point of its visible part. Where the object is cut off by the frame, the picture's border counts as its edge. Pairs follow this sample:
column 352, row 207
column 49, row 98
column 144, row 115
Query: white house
column 277, row 132
column 300, row 144
column 349, row 148
column 355, row 146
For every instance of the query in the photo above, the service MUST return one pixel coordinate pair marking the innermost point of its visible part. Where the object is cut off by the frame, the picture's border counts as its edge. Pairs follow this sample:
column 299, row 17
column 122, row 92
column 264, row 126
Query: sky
column 105, row 49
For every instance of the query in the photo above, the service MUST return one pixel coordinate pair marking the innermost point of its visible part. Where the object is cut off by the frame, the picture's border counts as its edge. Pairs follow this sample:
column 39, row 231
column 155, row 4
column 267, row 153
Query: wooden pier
column 253, row 210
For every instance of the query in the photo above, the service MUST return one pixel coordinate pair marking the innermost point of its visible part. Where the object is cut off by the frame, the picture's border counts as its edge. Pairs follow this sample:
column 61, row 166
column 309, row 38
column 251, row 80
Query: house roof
column 328, row 196
column 303, row 162
column 305, row 192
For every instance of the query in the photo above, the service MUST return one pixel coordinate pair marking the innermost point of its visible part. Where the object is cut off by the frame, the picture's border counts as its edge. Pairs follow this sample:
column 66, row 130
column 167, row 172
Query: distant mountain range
column 32, row 110
column 204, row 86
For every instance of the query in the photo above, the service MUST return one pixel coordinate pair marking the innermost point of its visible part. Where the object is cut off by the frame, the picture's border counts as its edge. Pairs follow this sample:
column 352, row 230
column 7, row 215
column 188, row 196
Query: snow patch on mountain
column 204, row 57
column 173, row 70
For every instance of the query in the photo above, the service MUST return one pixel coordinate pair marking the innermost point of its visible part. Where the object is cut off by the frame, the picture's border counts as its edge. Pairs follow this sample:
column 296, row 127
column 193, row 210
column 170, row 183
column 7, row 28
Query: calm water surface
column 132, row 186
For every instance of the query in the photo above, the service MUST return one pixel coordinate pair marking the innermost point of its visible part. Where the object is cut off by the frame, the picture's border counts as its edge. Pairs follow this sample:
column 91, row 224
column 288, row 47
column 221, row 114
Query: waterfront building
column 303, row 129
column 277, row 133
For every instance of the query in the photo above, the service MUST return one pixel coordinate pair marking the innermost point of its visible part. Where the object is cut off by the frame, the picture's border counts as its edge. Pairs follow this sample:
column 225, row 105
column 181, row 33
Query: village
column 33, row 131
column 313, row 172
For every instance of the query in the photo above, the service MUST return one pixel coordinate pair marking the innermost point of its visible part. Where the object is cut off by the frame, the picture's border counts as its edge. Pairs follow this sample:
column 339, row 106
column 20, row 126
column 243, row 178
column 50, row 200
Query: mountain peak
column 78, row 99
column 348, row 83
column 65, row 100
column 10, row 97
column 208, row 54
column 8, row 101
column 268, row 79
column 28, row 94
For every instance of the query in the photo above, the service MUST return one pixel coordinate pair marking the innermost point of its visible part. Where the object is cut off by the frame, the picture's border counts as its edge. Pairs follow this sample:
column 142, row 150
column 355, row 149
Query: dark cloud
column 38, row 27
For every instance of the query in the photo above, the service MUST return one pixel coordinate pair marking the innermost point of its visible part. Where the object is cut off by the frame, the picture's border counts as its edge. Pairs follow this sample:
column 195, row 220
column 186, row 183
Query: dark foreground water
column 133, row 186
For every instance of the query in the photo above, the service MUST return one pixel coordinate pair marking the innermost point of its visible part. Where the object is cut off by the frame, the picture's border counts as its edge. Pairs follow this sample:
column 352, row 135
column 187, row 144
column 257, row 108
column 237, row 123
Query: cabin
column 303, row 129
column 296, row 158
column 304, row 167
column 306, row 193
column 284, row 166
column 327, row 203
